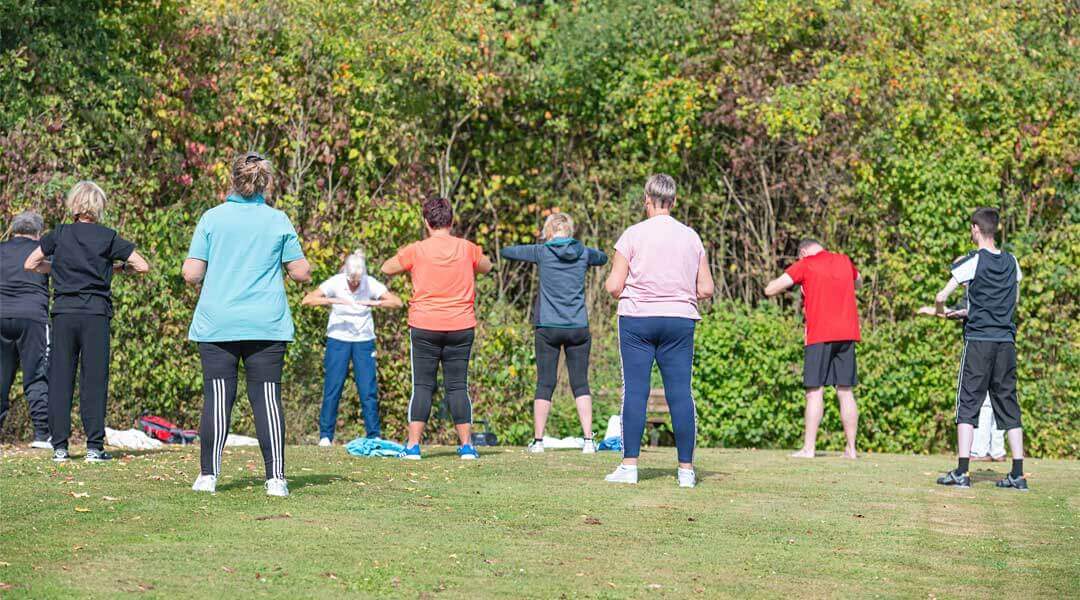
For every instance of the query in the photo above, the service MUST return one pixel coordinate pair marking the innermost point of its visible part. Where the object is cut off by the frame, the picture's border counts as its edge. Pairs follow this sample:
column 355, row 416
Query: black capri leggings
column 452, row 349
column 576, row 343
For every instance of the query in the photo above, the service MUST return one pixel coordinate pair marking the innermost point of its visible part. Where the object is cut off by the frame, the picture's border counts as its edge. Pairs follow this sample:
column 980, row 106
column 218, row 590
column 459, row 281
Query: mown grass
column 512, row 525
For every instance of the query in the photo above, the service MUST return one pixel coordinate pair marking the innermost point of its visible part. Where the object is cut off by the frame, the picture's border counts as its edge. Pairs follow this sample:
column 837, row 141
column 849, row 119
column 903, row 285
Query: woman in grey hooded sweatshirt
column 560, row 318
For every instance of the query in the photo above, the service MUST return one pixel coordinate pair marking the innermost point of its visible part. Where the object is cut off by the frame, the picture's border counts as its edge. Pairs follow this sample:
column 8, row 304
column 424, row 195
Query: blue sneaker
column 410, row 453
column 467, row 452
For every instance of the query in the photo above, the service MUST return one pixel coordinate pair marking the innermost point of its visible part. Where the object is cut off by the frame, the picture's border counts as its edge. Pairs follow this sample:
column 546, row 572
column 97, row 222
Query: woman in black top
column 84, row 256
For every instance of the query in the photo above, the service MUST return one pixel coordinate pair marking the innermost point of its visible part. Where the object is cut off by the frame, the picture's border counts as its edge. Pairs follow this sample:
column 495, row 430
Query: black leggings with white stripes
column 263, row 363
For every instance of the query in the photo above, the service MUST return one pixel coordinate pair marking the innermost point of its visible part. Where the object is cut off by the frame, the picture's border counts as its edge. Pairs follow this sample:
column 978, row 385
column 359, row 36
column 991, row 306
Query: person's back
column 23, row 294
column 82, row 266
column 828, row 286
column 444, row 282
column 663, row 256
column 991, row 279
column 244, row 243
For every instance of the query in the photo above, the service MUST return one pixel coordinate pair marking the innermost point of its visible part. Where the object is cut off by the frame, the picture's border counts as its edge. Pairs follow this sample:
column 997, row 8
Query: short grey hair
column 660, row 188
column 356, row 265
column 27, row 223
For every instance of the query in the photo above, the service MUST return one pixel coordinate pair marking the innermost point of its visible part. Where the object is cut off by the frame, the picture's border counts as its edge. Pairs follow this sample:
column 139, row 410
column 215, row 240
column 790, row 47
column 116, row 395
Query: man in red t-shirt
column 828, row 283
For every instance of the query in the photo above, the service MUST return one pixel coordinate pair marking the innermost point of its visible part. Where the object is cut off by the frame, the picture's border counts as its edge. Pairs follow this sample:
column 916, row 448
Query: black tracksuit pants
column 263, row 363
column 80, row 344
column 25, row 343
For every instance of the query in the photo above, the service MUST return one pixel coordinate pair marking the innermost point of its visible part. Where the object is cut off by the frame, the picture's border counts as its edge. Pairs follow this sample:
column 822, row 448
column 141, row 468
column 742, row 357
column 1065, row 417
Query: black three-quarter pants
column 452, row 349
column 988, row 367
column 263, row 363
column 25, row 343
column 80, row 343
column 576, row 343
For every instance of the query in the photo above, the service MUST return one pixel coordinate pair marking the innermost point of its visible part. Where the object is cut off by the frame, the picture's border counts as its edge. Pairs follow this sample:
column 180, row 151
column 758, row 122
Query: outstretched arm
column 137, row 263
column 616, row 280
column 596, row 257
column 779, row 285
column 523, row 253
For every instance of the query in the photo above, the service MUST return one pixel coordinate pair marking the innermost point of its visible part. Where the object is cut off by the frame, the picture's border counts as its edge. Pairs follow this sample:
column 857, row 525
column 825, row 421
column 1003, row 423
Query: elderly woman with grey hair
column 350, row 336
column 24, row 324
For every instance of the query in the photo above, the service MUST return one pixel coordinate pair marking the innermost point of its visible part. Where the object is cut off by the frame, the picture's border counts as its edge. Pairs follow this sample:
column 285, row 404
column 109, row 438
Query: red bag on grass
column 165, row 430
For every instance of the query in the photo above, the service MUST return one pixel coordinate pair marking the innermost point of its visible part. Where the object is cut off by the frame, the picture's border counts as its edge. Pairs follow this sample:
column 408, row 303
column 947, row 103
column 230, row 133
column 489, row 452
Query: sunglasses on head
column 253, row 157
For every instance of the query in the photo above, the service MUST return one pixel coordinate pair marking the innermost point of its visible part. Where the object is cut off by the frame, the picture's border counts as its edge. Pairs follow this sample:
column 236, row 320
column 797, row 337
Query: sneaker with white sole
column 536, row 447
column 622, row 474
column 42, row 444
column 325, row 442
column 205, row 483
column 687, row 478
column 277, row 487
column 467, row 452
column 410, row 452
column 61, row 455
column 589, row 447
column 93, row 455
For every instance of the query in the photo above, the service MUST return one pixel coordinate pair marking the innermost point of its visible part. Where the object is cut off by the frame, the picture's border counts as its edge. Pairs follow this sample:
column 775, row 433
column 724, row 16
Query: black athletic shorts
column 829, row 363
column 988, row 367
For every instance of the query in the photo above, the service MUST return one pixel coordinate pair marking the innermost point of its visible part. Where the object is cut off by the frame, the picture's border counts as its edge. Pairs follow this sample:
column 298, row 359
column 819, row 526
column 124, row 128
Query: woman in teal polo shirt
column 237, row 253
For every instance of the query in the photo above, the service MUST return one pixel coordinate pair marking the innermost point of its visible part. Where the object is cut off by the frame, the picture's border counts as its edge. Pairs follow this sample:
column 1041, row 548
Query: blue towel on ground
column 379, row 447
column 611, row 443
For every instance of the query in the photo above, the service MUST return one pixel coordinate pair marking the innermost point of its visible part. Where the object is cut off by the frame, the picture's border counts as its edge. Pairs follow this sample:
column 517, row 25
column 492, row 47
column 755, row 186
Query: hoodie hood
column 565, row 249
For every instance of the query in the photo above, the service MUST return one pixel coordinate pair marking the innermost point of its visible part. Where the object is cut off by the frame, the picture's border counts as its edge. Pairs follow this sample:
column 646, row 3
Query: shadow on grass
column 296, row 482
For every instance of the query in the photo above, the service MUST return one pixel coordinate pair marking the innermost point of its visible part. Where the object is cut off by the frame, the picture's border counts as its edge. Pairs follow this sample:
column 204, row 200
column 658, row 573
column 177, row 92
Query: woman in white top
column 350, row 335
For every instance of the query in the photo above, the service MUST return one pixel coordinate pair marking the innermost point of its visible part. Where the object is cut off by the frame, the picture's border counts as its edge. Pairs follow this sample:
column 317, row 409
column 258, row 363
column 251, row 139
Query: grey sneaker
column 61, row 455
column 93, row 455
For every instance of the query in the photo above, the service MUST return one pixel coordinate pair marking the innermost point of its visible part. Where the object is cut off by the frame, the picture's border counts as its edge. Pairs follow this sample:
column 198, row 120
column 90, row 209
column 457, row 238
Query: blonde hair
column 86, row 200
column 251, row 174
column 558, row 225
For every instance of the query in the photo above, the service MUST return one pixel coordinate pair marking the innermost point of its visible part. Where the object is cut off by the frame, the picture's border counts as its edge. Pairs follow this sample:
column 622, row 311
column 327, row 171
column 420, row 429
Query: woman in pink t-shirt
column 659, row 273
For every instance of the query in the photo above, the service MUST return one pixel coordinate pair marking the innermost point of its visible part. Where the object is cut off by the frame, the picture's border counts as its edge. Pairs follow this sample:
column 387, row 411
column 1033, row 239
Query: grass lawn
column 513, row 525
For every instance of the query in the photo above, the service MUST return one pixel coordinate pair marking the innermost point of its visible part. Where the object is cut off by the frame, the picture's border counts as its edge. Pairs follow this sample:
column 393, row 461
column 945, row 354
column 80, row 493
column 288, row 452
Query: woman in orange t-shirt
column 441, row 321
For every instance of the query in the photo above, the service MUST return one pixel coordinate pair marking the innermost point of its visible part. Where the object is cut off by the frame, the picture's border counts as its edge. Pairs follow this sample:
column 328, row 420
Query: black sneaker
column 1013, row 482
column 97, row 455
column 962, row 480
column 61, row 455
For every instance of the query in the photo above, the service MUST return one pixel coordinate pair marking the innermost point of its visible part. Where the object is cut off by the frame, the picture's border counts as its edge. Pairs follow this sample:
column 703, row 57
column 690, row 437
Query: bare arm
column 392, row 267
column 299, row 270
column 388, row 300
column 36, row 262
column 137, row 263
column 943, row 296
column 484, row 265
column 193, row 270
column 316, row 297
column 858, row 280
column 616, row 279
column 779, row 285
column 705, row 286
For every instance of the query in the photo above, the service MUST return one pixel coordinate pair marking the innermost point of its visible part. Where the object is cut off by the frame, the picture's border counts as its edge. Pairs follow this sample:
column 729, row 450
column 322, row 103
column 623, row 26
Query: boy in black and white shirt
column 992, row 277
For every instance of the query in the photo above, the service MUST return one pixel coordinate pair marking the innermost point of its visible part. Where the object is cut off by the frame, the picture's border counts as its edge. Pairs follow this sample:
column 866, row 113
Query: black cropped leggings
column 428, row 349
column 576, row 343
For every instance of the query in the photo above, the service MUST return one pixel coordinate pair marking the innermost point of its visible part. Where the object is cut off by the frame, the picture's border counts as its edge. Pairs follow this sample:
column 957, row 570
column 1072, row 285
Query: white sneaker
column 42, row 444
column 277, row 487
column 536, row 447
column 205, row 483
column 589, row 447
column 687, row 478
column 325, row 442
column 622, row 474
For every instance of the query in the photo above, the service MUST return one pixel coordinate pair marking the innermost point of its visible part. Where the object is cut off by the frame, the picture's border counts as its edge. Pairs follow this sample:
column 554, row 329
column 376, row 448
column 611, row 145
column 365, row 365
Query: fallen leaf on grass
column 654, row 586
column 109, row 498
column 144, row 587
column 77, row 548
column 858, row 516
column 270, row 517
column 611, row 584
column 4, row 564
column 78, row 494
column 259, row 577
column 592, row 521
column 329, row 575
column 6, row 586
column 81, row 509
column 691, row 519
column 228, row 569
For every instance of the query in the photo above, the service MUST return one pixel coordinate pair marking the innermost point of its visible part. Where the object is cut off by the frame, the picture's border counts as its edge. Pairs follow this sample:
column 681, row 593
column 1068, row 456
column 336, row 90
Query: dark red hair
column 438, row 213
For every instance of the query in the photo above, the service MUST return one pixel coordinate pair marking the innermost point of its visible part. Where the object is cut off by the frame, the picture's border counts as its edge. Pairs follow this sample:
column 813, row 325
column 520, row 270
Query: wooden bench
column 657, row 413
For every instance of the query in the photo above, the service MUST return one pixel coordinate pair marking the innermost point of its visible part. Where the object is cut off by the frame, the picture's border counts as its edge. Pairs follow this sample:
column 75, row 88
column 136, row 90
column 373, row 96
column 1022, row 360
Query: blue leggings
column 669, row 341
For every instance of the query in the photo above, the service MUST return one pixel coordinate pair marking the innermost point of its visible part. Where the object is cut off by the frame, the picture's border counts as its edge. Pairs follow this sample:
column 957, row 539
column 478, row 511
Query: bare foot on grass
column 804, row 453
